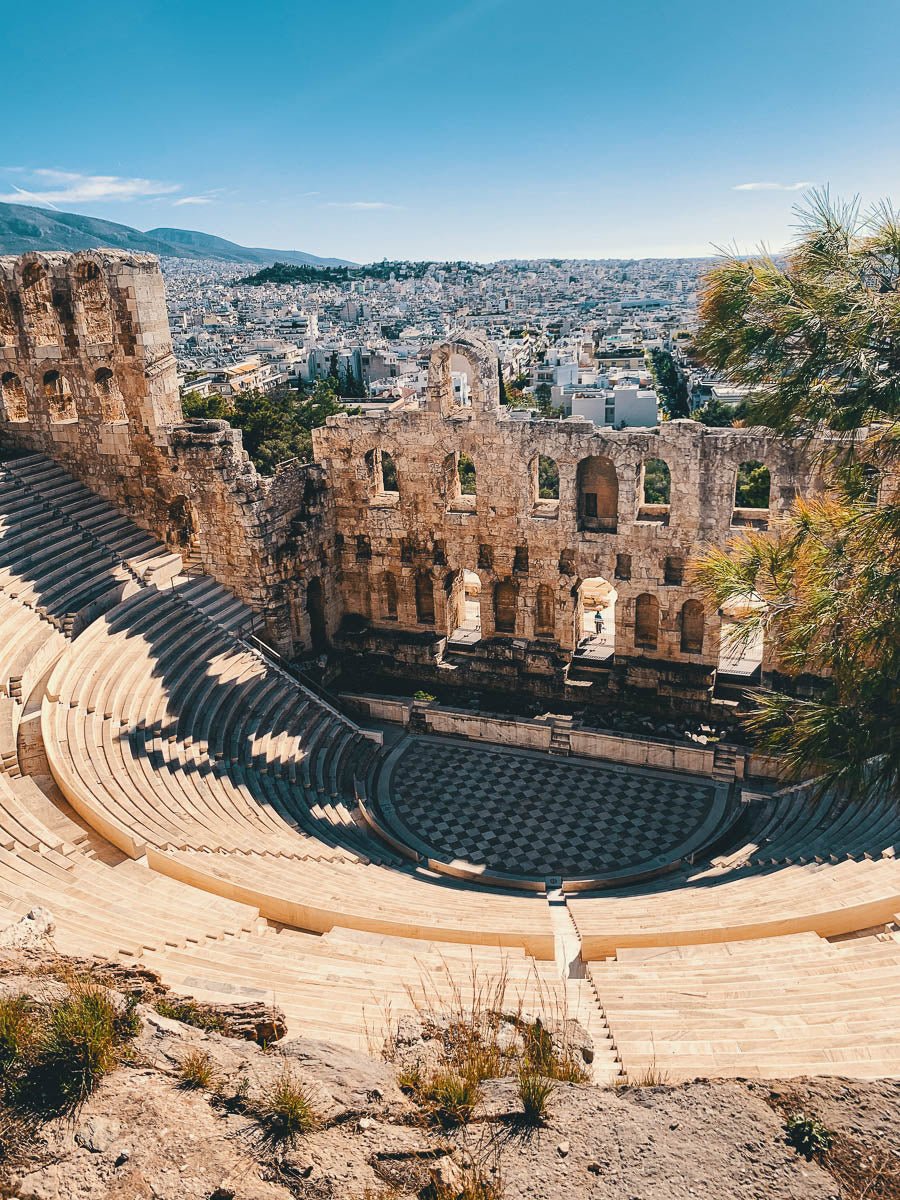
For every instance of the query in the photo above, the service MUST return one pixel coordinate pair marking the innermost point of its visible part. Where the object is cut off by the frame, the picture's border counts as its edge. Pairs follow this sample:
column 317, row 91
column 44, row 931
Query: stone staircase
column 724, row 763
column 561, row 736
column 581, row 1000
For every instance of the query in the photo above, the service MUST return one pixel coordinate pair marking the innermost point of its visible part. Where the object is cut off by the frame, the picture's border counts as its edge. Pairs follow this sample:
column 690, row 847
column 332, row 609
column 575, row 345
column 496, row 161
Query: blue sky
column 475, row 129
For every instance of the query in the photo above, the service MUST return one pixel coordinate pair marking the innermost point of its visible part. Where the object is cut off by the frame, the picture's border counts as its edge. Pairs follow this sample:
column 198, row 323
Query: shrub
column 196, row 1070
column 77, row 1041
column 535, row 1091
column 423, row 695
column 191, row 1013
column 541, row 1054
column 289, row 1110
column 15, row 1030
column 450, row 1098
column 808, row 1135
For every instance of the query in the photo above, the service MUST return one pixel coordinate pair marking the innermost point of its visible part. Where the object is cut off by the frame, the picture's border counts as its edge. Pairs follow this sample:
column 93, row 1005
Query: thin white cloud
column 773, row 187
column 364, row 205
column 44, row 185
column 192, row 200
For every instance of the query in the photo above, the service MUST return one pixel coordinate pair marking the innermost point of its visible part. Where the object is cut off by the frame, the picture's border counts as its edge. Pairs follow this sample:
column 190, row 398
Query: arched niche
column 597, row 489
column 692, row 623
column 388, row 596
column 57, row 393
column 315, row 611
column 36, row 297
column 112, row 402
column 12, row 397
column 8, row 329
column 646, row 622
column 545, row 611
column 424, row 586
column 92, row 303
column 506, row 603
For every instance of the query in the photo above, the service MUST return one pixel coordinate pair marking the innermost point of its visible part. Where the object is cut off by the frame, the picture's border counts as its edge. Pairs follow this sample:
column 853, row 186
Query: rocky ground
column 142, row 1134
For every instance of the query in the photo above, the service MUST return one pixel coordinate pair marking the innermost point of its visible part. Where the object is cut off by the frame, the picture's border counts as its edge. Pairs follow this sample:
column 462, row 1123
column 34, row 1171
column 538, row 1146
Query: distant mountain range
column 25, row 228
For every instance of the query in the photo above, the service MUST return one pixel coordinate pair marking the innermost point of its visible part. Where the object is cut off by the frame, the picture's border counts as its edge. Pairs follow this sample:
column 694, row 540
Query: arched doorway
column 595, row 620
column 465, row 597
column 315, row 611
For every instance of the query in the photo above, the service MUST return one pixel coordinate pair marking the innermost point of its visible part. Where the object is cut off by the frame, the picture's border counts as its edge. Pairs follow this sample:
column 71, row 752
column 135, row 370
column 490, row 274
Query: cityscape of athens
column 450, row 664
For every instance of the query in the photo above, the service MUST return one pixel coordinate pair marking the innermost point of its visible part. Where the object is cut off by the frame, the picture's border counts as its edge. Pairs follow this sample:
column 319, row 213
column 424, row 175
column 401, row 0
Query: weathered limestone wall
column 402, row 553
column 87, row 376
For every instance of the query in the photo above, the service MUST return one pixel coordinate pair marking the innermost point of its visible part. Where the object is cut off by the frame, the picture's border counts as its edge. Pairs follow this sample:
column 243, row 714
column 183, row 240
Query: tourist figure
column 598, row 623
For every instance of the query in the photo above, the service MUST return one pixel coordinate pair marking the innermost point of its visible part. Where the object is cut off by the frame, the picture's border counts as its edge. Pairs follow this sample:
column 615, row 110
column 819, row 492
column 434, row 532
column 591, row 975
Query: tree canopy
column 816, row 339
column 276, row 425
column 671, row 386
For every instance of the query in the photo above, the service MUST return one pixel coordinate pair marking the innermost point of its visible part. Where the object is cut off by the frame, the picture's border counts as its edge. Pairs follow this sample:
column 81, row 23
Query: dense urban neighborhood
column 609, row 341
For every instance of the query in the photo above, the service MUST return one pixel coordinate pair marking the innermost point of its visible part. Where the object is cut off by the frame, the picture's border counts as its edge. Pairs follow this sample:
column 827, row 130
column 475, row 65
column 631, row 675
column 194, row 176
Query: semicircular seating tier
column 208, row 838
column 179, row 742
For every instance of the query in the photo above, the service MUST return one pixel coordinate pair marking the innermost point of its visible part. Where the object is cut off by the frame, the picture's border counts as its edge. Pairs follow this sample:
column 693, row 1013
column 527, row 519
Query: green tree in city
column 715, row 414
column 670, row 384
column 816, row 339
column 276, row 425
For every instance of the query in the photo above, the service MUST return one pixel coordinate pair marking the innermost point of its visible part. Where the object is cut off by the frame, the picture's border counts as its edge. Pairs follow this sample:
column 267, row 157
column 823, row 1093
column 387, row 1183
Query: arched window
column 506, row 596
column 382, row 475
column 112, row 402
column 547, row 478
column 389, row 596
column 388, row 473
column 598, row 495
column 424, row 598
column 545, row 611
column 459, row 483
column 692, row 623
column 655, row 491
column 12, row 395
column 646, row 621
column 59, row 398
column 752, row 486
column 467, row 482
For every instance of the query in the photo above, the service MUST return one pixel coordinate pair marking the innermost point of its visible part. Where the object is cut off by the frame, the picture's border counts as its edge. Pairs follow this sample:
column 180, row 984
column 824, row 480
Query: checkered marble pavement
column 529, row 813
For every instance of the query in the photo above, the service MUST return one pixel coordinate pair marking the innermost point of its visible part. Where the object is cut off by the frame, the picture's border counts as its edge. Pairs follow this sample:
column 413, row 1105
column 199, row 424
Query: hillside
column 187, row 1105
column 25, row 228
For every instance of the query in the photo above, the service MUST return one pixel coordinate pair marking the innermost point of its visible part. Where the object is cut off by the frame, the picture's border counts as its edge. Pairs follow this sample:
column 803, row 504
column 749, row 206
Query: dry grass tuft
column 196, row 1070
column 289, row 1110
column 477, row 1185
column 651, row 1076
column 535, row 1091
column 449, row 1099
